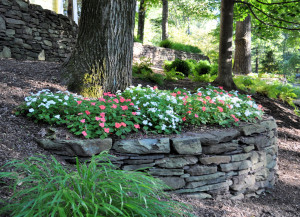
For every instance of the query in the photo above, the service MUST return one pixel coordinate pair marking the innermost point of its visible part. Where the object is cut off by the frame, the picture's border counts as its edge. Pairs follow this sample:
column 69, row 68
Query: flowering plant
column 138, row 108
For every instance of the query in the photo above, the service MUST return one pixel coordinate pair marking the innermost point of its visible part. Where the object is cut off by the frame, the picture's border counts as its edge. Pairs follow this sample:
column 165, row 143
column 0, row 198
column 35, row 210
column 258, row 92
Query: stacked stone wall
column 228, row 163
column 28, row 32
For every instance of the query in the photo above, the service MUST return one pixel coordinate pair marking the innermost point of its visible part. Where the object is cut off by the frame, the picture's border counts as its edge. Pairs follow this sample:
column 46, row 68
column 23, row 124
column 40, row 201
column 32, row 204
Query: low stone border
column 229, row 163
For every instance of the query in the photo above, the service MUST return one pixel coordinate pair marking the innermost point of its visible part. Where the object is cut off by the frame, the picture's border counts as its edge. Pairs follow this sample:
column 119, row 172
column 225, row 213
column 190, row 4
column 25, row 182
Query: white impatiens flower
column 44, row 100
column 150, row 124
column 57, row 116
column 28, row 103
column 145, row 122
column 66, row 97
column 163, row 127
column 247, row 113
column 31, row 110
column 65, row 103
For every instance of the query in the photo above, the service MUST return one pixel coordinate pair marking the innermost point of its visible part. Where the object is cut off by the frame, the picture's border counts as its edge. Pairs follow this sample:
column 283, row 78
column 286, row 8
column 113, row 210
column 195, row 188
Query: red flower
column 87, row 112
column 79, row 102
column 125, row 107
column 102, row 107
column 220, row 109
column 189, row 112
column 155, row 87
column 178, row 92
column 173, row 94
column 122, row 99
column 184, row 118
column 221, row 87
column 207, row 97
column 199, row 94
column 131, row 104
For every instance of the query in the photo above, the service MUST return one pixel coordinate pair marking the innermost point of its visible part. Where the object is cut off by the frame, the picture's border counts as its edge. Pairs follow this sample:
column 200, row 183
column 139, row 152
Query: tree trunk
column 242, row 55
column 141, row 23
column 70, row 9
column 102, row 58
column 256, row 61
column 225, row 48
column 165, row 14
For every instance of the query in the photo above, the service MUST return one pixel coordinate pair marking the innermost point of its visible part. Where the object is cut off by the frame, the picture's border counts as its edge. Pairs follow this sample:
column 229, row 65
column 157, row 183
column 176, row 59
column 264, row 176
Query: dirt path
column 18, row 79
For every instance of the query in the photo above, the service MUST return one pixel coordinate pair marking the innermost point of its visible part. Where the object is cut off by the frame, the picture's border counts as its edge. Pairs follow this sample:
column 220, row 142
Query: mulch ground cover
column 17, row 134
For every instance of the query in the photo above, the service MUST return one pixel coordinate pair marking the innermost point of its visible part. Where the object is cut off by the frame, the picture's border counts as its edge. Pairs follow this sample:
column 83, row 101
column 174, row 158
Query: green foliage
column 179, row 46
column 269, row 65
column 179, row 65
column 203, row 67
column 44, row 187
column 172, row 75
column 275, row 89
column 136, row 39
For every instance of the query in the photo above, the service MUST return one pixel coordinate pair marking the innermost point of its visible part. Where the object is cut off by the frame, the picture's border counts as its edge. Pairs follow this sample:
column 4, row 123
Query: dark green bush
column 214, row 69
column 203, row 67
column 173, row 75
column 166, row 44
column 178, row 46
column 144, row 65
column 180, row 66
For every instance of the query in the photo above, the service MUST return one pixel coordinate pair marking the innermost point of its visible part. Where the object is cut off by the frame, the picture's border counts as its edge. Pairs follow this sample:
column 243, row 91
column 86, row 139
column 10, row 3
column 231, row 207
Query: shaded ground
column 18, row 79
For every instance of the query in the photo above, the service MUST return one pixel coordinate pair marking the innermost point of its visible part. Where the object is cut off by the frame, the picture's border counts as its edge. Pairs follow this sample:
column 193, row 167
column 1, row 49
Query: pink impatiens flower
column 101, row 124
column 106, row 130
column 102, row 119
column 203, row 108
column 117, row 125
column 137, row 126
column 199, row 94
column 122, row 99
column 84, row 133
column 102, row 114
column 114, row 106
column 97, row 118
column 123, row 124
column 207, row 97
column 102, row 107
column 125, row 107
column 82, row 121
column 79, row 102
column 196, row 116
column 87, row 112
column 178, row 92
column 131, row 104
column 116, row 100
column 133, row 113
column 155, row 87
column 93, row 103
column 101, row 99
column 220, row 109
column 184, row 118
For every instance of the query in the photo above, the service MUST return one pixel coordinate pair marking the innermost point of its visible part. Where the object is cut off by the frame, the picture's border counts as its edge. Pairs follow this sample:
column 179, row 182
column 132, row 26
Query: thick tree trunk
column 242, row 55
column 102, row 58
column 165, row 14
column 141, row 23
column 70, row 9
column 225, row 48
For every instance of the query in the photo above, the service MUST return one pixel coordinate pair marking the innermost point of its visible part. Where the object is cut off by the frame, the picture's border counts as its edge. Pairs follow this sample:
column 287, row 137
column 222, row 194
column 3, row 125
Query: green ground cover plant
column 43, row 187
column 140, row 108
column 179, row 46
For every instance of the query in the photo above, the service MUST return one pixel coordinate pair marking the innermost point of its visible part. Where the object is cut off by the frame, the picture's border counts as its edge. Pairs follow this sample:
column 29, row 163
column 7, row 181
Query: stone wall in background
column 158, row 55
column 28, row 32
column 229, row 163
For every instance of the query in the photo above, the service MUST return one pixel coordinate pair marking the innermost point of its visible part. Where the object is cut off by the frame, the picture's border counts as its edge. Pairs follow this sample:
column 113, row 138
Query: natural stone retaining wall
column 158, row 55
column 30, row 32
column 228, row 163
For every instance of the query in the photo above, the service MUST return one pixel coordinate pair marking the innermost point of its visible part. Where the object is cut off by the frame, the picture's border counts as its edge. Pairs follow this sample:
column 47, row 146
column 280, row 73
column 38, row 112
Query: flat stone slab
column 143, row 146
column 187, row 145
column 72, row 148
column 176, row 162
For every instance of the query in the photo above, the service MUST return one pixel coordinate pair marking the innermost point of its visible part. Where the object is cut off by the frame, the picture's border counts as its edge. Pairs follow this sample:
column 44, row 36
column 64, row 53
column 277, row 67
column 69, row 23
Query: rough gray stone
column 27, row 46
column 187, row 145
column 242, row 182
column 2, row 24
column 138, row 161
column 10, row 32
column 42, row 56
column 205, row 188
column 258, row 166
column 215, row 159
column 18, row 41
column 264, row 126
column 6, row 53
column 23, row 5
column 205, row 182
column 176, row 162
column 48, row 43
column 14, row 21
column 236, row 166
column 143, row 146
column 148, row 157
column 198, row 170
column 205, row 177
column 226, row 135
column 199, row 196
column 262, row 174
column 81, row 148
column 220, row 148
column 238, row 197
column 138, row 166
column 248, row 148
column 173, row 182
column 166, row 172
column 240, row 157
column 27, row 30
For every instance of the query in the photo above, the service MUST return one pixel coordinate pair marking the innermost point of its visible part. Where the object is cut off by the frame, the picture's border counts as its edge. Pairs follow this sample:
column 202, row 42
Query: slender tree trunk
column 102, row 58
column 165, row 14
column 242, row 55
column 225, row 48
column 256, row 61
column 141, row 23
column 70, row 9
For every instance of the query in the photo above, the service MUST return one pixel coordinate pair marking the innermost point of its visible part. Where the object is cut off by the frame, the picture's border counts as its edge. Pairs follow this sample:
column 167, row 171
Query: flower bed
column 147, row 109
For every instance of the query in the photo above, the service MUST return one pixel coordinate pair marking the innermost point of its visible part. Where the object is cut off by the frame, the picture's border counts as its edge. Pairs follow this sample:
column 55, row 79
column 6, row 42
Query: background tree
column 165, row 15
column 102, row 58
column 70, row 9
column 141, row 22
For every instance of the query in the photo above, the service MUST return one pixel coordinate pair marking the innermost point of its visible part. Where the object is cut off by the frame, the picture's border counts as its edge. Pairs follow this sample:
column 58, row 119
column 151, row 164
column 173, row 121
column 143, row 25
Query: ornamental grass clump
column 44, row 187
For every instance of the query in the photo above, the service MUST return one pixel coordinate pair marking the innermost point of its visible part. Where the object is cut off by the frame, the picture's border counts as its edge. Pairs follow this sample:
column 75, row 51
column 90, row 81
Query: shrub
column 143, row 65
column 214, row 69
column 178, row 46
column 173, row 75
column 166, row 44
column 180, row 66
column 203, row 67
column 44, row 187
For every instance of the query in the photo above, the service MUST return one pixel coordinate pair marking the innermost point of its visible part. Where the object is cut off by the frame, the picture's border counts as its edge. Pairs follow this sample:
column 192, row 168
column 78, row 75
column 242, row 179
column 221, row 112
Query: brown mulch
column 18, row 79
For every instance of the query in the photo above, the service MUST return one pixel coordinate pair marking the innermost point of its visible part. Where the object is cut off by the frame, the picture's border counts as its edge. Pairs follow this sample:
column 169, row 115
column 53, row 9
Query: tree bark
column 225, row 48
column 141, row 23
column 242, row 55
column 70, row 9
column 165, row 15
column 102, row 58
